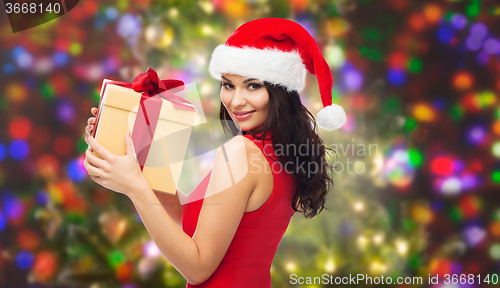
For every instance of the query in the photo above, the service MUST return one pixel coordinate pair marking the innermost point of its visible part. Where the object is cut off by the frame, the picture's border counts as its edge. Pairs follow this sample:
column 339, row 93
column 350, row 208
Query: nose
column 238, row 98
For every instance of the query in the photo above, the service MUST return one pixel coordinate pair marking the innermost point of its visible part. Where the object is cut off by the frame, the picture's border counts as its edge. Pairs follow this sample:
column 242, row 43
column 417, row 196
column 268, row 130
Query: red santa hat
column 278, row 51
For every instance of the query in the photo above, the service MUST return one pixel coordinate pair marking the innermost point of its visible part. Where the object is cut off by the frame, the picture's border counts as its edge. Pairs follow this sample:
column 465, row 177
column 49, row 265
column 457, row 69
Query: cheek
column 225, row 98
column 261, row 102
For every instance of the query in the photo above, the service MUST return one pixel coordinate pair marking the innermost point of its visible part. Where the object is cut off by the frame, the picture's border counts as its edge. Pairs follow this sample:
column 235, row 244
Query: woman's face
column 246, row 100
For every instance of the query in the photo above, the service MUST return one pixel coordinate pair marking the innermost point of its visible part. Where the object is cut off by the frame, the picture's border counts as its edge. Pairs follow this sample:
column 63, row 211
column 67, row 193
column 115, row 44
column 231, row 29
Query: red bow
column 149, row 83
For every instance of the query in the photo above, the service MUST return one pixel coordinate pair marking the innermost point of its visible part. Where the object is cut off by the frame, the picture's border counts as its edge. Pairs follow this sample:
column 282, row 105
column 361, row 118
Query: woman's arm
column 225, row 202
column 173, row 204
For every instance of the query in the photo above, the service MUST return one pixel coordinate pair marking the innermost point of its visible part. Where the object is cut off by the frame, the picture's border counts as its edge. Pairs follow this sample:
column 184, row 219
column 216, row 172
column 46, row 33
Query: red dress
column 247, row 262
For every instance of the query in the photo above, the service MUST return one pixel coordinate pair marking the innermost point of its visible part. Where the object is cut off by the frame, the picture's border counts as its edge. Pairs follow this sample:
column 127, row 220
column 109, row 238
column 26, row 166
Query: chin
column 247, row 127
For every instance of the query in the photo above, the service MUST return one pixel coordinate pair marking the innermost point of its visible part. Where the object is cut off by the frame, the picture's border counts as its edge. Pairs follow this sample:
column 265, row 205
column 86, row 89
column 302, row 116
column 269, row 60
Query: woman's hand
column 91, row 121
column 121, row 174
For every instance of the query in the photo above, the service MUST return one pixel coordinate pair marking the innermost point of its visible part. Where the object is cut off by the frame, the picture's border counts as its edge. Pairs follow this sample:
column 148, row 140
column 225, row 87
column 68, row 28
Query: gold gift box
column 117, row 112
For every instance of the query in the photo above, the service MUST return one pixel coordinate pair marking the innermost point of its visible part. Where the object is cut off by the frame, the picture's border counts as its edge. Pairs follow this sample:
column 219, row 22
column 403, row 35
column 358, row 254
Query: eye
column 254, row 86
column 227, row 85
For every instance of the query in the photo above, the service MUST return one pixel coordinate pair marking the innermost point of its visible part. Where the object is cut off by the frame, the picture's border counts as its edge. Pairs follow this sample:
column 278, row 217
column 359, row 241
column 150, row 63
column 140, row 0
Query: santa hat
column 278, row 51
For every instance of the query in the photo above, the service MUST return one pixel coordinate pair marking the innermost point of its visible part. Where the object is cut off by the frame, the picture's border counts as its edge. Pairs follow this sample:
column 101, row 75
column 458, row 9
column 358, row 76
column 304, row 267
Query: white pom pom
column 331, row 117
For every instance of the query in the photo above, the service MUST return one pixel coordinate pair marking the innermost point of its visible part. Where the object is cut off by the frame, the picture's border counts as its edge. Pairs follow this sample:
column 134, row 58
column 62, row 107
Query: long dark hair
column 292, row 124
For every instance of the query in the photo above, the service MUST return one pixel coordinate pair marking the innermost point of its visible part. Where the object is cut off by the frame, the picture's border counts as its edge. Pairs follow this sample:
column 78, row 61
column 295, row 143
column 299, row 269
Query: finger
column 94, row 110
column 94, row 160
column 91, row 169
column 98, row 148
column 88, row 129
column 129, row 145
column 91, row 120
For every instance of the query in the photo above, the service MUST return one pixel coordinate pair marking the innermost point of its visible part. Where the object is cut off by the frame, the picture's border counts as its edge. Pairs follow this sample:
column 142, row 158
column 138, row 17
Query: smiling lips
column 243, row 115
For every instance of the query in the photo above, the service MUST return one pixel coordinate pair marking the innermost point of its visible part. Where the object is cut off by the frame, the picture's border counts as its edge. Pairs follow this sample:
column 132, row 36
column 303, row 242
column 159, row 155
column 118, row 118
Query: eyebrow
column 248, row 80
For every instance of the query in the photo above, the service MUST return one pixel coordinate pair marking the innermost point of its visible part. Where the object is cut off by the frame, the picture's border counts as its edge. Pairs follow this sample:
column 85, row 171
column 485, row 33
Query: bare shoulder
column 240, row 145
column 237, row 160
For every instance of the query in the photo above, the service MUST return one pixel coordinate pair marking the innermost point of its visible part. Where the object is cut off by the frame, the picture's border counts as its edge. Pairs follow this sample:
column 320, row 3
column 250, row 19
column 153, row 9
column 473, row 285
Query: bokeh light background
column 419, row 80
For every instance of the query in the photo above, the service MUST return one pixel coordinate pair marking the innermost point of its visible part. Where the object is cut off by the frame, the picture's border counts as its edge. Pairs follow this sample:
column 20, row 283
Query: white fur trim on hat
column 270, row 65
column 331, row 117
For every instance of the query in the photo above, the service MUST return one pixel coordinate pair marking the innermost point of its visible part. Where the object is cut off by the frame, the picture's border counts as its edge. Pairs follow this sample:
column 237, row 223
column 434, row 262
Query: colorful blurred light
column 458, row 21
column 474, row 235
column 398, row 170
column 495, row 176
column 24, row 259
column 417, row 21
column 469, row 181
column 495, row 251
column 410, row 124
column 48, row 165
column 439, row 104
column 336, row 27
column 476, row 134
column 495, row 128
column 20, row 128
column 111, row 13
column 18, row 149
column 42, row 198
column 75, row 48
column 415, row 65
column 13, row 208
column 463, row 80
column 128, row 26
column 482, row 58
column 415, row 158
column 495, row 149
column 470, row 205
column 442, row 165
column 115, row 258
column 65, row 111
column 473, row 9
column 16, row 91
column 479, row 30
column 28, row 239
column 2, row 152
column 353, row 79
column 495, row 228
column 421, row 214
column 23, row 59
column 491, row 46
column 9, row 68
column 45, row 266
column 424, row 113
column 433, row 13
column 76, row 171
column 458, row 165
column 451, row 186
column 151, row 250
column 398, row 59
column 445, row 35
column 3, row 221
column 61, row 58
column 334, row 56
column 396, row 77
column 474, row 43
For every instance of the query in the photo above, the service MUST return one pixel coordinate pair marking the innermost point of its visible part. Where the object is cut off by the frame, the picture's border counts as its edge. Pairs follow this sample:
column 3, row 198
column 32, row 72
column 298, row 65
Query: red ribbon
column 150, row 105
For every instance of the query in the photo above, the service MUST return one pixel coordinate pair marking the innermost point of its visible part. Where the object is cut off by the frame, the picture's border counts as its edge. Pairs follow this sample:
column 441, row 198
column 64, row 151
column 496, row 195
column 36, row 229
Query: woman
column 227, row 233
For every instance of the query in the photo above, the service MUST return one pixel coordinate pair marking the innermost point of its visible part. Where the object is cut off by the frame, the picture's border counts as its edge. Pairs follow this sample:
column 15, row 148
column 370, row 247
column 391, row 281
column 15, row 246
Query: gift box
column 160, row 123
